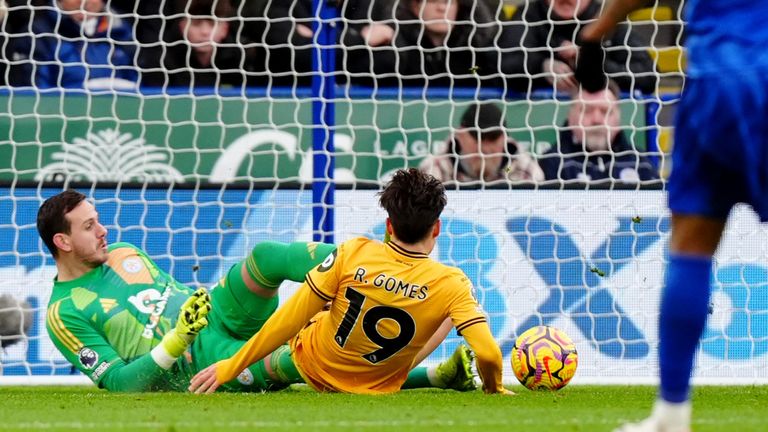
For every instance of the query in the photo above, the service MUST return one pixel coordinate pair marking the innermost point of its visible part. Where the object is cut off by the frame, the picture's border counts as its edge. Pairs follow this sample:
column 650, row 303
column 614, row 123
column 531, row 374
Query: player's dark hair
column 50, row 217
column 484, row 120
column 414, row 201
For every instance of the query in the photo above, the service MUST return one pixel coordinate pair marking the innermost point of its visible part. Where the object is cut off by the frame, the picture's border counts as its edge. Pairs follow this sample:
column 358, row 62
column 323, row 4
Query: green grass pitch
column 575, row 408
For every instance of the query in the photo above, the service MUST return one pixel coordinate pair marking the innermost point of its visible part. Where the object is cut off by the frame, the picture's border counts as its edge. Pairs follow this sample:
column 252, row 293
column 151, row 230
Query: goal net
column 199, row 128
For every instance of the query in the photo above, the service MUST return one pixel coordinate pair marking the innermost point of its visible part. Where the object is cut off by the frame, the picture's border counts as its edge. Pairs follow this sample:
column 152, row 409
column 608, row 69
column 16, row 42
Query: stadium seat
column 660, row 13
column 668, row 59
column 661, row 28
column 508, row 10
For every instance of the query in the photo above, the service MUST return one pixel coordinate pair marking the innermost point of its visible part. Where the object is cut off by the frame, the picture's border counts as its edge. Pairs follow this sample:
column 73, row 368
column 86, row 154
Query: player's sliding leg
column 454, row 373
column 247, row 296
column 243, row 301
column 684, row 309
column 272, row 263
column 281, row 368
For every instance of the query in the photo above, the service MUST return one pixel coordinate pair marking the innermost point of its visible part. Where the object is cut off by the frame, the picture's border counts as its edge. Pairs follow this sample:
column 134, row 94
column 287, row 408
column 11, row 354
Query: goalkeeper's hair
column 51, row 218
column 414, row 201
column 15, row 320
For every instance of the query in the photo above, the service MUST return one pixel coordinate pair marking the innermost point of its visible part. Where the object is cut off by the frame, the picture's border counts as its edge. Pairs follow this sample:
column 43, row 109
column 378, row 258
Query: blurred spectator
column 591, row 145
column 15, row 320
column 3, row 44
column 82, row 43
column 546, row 31
column 362, row 32
column 150, row 18
column 288, row 36
column 446, row 43
column 367, row 36
column 480, row 150
column 203, row 49
column 16, row 38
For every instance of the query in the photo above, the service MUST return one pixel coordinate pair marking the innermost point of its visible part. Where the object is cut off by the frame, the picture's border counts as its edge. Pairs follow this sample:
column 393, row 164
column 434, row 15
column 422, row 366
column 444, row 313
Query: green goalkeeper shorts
column 236, row 315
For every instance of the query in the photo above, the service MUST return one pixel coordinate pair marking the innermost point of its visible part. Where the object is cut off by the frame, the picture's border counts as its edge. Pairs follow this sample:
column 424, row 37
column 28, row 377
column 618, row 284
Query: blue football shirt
column 726, row 35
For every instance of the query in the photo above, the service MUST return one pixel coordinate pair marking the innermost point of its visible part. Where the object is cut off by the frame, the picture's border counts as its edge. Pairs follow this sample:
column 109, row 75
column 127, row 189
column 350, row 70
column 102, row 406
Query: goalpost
column 197, row 179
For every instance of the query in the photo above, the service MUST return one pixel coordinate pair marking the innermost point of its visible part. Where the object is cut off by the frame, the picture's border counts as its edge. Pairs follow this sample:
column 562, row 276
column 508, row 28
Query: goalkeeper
column 129, row 326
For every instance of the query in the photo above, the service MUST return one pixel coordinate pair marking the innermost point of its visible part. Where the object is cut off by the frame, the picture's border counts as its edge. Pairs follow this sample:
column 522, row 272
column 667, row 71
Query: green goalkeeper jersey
column 108, row 320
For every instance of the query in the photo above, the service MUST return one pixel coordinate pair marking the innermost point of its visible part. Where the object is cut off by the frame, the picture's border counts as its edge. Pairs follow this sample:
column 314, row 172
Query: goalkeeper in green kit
column 129, row 326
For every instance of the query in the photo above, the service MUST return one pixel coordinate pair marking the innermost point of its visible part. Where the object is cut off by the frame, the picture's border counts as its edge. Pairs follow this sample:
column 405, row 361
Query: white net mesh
column 198, row 129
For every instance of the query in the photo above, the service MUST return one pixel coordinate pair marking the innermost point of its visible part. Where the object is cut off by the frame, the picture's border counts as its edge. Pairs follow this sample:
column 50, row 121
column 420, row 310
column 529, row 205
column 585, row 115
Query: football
column 544, row 358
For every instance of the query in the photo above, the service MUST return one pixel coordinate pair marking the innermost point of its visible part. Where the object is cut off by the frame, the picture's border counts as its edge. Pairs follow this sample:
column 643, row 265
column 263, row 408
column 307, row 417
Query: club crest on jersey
column 88, row 357
column 327, row 262
column 146, row 301
column 132, row 265
column 245, row 377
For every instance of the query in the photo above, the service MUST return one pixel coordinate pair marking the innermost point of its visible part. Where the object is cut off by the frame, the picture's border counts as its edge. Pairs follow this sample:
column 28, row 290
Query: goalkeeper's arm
column 87, row 349
column 143, row 373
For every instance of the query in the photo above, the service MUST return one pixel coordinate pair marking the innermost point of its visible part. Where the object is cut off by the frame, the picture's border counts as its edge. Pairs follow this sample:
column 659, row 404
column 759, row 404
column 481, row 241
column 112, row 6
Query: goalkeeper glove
column 589, row 66
column 192, row 319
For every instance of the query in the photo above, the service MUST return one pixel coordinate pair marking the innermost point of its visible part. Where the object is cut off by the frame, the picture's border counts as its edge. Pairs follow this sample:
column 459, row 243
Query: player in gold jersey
column 387, row 300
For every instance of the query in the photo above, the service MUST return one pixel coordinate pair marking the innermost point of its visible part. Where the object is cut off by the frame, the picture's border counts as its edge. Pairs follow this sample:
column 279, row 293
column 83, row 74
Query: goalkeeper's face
column 87, row 238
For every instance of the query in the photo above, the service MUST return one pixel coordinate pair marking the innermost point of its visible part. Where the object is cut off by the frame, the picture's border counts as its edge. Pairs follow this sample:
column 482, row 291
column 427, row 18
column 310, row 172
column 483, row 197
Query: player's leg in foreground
column 244, row 299
column 701, row 193
column 684, row 307
column 454, row 373
column 702, row 189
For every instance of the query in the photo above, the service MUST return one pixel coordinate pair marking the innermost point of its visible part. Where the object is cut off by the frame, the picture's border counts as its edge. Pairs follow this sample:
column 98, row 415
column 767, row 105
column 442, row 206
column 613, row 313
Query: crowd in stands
column 591, row 148
column 191, row 44
column 242, row 43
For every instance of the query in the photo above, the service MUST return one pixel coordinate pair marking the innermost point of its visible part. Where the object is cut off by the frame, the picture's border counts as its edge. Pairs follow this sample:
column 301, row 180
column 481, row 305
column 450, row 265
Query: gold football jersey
column 386, row 304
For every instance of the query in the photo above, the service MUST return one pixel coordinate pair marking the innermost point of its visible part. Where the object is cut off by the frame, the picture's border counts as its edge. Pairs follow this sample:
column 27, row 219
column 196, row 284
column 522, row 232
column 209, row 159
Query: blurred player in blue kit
column 720, row 158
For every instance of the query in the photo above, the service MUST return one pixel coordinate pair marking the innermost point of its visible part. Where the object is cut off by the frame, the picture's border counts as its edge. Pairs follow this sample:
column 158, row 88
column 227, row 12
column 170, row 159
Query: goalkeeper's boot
column 666, row 417
column 456, row 372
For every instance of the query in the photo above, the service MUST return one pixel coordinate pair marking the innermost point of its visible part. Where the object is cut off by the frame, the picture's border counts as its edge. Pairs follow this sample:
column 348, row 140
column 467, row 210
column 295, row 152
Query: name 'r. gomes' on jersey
column 393, row 285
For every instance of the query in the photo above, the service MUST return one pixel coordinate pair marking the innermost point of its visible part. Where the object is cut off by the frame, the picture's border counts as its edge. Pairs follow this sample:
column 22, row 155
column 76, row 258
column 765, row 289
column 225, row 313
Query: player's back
column 386, row 304
column 726, row 35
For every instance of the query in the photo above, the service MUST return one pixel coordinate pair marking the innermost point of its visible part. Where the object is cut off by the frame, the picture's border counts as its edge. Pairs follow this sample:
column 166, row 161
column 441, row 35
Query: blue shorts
column 720, row 154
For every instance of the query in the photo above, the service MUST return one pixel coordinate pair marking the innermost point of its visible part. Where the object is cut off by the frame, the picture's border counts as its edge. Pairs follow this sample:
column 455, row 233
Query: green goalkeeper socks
column 270, row 263
column 282, row 366
column 418, row 378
